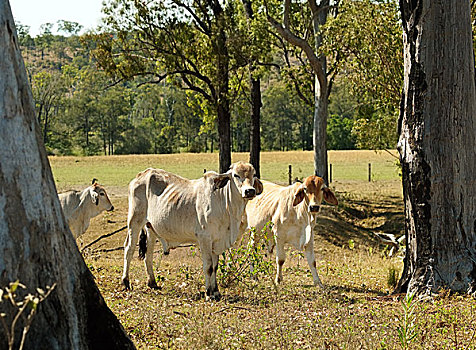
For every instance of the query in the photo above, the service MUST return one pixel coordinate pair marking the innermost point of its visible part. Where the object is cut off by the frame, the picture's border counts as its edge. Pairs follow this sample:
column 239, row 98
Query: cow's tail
column 142, row 244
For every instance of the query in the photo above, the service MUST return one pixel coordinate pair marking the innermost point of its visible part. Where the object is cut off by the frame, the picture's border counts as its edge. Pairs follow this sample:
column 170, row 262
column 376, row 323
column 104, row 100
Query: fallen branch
column 102, row 237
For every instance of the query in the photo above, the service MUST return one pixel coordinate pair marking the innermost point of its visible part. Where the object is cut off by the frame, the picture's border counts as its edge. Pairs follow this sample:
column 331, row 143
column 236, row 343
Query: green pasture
column 119, row 170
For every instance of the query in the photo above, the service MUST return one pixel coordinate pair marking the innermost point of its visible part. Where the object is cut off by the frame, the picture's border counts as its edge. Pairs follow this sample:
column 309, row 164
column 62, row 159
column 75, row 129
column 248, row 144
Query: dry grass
column 355, row 312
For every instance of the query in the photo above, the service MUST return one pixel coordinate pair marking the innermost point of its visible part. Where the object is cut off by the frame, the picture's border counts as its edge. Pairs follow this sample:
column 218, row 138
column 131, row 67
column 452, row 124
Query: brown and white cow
column 292, row 211
column 207, row 211
column 79, row 207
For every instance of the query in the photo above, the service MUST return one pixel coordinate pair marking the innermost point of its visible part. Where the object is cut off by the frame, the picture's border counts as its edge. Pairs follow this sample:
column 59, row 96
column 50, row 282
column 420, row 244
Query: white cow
column 292, row 211
column 79, row 207
column 207, row 211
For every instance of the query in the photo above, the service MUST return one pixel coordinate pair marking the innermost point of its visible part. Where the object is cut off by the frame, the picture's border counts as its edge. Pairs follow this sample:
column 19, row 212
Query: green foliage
column 247, row 261
column 339, row 133
column 286, row 120
column 408, row 328
column 375, row 130
column 367, row 36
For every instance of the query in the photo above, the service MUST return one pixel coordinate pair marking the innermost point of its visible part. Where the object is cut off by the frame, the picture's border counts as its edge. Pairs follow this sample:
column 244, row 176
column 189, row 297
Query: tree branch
column 293, row 39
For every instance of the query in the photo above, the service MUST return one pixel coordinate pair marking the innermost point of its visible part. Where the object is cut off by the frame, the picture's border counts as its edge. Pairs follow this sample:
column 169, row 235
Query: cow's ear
column 94, row 181
column 258, row 185
column 94, row 196
column 299, row 195
column 329, row 196
column 220, row 181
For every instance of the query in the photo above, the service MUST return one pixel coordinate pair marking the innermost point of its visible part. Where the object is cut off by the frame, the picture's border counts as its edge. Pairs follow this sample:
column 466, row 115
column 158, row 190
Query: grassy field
column 355, row 311
column 119, row 170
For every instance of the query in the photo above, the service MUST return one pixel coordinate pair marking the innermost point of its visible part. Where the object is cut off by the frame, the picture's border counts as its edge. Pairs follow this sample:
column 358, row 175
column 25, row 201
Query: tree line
column 145, row 82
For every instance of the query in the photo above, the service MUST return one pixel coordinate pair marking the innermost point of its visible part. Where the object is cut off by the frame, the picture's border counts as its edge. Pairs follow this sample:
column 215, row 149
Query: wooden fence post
column 330, row 172
column 370, row 172
column 290, row 174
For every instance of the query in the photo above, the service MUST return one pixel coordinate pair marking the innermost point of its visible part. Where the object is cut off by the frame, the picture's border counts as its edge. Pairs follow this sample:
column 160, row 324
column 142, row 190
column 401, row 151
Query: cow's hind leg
column 134, row 227
column 149, row 259
column 311, row 260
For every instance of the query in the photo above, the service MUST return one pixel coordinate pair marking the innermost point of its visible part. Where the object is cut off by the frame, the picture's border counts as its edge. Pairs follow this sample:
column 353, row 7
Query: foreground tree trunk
column 437, row 147
column 36, row 247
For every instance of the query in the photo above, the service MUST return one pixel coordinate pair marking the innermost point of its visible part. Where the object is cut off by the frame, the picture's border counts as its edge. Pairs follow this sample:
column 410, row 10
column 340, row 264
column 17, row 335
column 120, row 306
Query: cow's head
column 243, row 176
column 315, row 190
column 99, row 197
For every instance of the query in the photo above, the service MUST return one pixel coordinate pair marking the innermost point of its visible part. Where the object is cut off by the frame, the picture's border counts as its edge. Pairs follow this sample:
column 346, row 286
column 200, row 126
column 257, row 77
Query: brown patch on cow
column 258, row 186
column 313, row 183
column 313, row 186
column 143, row 172
column 245, row 170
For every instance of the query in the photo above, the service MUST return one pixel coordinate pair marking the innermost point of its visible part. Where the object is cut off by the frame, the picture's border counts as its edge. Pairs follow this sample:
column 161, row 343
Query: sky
column 34, row 13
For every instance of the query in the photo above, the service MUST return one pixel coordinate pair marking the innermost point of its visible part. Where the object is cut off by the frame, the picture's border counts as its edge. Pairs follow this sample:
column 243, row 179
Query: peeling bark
column 437, row 129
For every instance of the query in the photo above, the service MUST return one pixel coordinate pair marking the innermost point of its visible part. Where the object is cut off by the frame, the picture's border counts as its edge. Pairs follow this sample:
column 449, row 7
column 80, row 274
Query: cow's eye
column 237, row 176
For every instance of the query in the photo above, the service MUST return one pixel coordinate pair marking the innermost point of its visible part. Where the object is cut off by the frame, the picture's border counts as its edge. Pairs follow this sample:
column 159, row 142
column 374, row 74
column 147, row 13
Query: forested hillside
column 85, row 107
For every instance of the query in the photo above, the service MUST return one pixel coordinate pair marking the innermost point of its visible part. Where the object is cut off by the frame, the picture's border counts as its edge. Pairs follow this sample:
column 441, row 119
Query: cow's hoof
column 127, row 285
column 214, row 295
column 153, row 285
column 320, row 286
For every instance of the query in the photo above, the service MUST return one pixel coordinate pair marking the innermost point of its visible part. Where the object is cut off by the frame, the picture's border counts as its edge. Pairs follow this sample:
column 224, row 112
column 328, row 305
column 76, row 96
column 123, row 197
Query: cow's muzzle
column 314, row 208
column 250, row 193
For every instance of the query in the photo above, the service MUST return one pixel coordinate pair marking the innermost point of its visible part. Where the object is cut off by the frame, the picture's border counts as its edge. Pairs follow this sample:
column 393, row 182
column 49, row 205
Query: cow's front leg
column 214, row 292
column 311, row 260
column 280, row 259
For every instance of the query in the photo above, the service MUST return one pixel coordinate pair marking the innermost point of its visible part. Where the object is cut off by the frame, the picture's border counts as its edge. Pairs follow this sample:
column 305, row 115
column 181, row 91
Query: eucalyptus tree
column 437, row 147
column 36, row 245
column 301, row 26
column 192, row 43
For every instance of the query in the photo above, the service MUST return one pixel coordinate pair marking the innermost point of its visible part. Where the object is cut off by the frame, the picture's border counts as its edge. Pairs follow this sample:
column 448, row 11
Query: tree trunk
column 320, row 130
column 437, row 147
column 223, row 104
column 321, row 93
column 36, row 247
column 255, row 83
column 255, row 132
